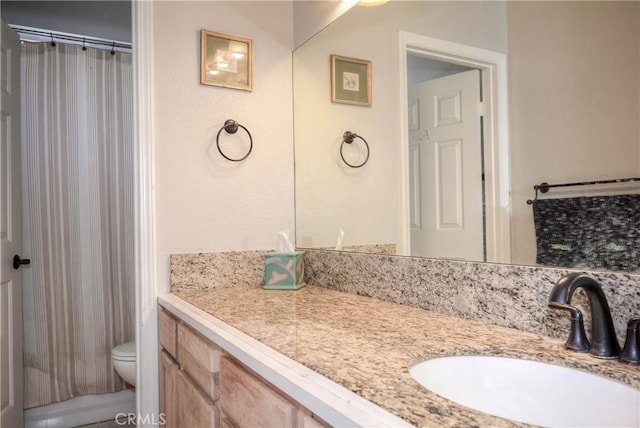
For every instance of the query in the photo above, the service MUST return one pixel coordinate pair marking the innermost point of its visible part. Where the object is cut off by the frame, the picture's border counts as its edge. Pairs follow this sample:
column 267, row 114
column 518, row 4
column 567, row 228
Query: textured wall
column 204, row 202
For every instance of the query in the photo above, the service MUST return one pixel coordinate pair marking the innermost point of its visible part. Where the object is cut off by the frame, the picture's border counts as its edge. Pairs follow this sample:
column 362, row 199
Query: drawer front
column 307, row 420
column 200, row 358
column 194, row 408
column 251, row 403
column 168, row 332
column 168, row 397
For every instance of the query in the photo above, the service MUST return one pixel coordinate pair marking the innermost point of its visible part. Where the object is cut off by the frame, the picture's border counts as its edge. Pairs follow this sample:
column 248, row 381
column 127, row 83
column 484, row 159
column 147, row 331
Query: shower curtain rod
column 41, row 35
column 544, row 187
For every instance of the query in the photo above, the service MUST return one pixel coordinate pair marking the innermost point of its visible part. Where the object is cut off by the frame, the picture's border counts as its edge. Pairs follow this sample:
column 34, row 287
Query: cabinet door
column 251, row 403
column 168, row 398
column 194, row 408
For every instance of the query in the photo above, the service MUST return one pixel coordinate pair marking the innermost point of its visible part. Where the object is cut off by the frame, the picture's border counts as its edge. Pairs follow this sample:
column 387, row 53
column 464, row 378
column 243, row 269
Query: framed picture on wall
column 226, row 60
column 350, row 80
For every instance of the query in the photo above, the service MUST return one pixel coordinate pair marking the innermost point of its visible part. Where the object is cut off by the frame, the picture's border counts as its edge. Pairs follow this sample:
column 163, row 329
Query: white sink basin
column 531, row 392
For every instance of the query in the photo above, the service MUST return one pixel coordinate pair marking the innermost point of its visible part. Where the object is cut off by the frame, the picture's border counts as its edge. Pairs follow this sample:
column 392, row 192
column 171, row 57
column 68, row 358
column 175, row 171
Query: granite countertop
column 366, row 345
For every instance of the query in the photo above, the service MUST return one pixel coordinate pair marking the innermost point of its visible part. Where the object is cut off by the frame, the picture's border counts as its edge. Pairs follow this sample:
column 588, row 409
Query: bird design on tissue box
column 284, row 271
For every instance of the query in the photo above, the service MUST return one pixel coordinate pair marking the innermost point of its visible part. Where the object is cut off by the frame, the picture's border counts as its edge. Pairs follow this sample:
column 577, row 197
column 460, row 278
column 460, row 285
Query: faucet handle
column 577, row 340
column 631, row 352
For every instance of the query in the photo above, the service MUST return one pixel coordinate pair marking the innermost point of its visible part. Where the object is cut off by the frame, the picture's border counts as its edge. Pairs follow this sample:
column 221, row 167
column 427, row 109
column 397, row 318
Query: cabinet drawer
column 251, row 403
column 200, row 358
column 168, row 332
column 194, row 409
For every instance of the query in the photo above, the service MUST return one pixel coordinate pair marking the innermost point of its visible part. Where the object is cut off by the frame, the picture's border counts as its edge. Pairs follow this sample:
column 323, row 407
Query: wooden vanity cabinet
column 189, row 375
column 241, row 390
column 168, row 333
column 200, row 359
column 168, row 378
column 194, row 409
column 306, row 419
column 201, row 385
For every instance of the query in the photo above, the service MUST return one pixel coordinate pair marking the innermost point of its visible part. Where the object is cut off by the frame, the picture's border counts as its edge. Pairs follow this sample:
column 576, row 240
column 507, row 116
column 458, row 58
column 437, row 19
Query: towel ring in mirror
column 231, row 127
column 348, row 138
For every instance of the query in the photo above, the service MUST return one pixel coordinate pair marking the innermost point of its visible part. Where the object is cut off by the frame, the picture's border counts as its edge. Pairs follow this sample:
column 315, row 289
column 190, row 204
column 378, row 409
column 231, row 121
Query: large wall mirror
column 563, row 107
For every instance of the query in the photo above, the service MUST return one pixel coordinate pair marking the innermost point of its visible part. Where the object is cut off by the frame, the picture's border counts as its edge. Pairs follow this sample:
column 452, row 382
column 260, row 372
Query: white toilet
column 123, row 358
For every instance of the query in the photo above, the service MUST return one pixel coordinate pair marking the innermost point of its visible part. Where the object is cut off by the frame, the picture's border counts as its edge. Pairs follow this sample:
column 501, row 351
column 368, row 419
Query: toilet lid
column 125, row 351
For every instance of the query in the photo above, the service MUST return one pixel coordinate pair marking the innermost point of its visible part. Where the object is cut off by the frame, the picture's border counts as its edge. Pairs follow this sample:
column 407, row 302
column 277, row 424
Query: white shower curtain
column 78, row 218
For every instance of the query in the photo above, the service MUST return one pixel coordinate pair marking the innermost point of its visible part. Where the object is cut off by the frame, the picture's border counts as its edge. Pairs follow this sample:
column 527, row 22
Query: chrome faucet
column 604, row 343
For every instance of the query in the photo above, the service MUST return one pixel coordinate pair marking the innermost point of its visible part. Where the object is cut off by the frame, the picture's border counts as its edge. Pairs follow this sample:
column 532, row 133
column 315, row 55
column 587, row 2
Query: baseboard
column 83, row 410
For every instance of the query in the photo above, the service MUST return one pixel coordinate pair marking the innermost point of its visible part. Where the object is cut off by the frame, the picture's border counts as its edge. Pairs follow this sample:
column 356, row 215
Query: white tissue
column 283, row 244
column 340, row 238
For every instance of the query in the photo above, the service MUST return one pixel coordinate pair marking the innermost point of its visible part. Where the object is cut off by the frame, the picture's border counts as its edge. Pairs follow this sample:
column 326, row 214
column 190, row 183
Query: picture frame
column 226, row 60
column 350, row 80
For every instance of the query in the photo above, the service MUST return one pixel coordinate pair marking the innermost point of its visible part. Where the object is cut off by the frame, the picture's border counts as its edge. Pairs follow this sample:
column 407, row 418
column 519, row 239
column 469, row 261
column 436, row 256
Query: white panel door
column 10, row 233
column 446, row 167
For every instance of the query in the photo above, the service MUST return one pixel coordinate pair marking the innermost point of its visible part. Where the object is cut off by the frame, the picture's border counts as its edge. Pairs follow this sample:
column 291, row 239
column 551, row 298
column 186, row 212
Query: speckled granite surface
column 506, row 295
column 369, row 249
column 210, row 270
column 367, row 345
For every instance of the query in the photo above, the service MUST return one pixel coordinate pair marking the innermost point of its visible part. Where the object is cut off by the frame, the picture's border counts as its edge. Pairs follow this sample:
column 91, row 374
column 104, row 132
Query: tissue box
column 283, row 271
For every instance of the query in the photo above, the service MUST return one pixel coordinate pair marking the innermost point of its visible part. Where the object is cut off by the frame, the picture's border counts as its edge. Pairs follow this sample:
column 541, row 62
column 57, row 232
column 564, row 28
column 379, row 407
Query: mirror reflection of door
column 445, row 165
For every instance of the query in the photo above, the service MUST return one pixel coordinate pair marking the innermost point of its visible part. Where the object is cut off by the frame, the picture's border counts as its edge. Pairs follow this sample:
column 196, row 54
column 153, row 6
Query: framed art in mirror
column 350, row 80
column 226, row 60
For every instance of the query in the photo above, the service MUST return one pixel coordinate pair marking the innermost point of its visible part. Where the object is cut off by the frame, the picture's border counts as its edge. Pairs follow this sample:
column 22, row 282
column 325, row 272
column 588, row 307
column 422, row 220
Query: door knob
column 17, row 262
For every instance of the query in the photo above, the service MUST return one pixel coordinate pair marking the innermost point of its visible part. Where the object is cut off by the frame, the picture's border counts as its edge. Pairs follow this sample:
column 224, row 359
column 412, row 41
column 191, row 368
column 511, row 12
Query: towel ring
column 231, row 127
column 348, row 138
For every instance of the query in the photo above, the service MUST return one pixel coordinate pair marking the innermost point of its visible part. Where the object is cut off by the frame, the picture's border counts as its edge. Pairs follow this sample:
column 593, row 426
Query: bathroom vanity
column 202, row 385
column 317, row 357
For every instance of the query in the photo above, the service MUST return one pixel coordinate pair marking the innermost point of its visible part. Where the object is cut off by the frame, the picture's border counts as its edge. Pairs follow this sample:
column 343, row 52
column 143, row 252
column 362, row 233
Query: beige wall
column 309, row 17
column 573, row 83
column 203, row 202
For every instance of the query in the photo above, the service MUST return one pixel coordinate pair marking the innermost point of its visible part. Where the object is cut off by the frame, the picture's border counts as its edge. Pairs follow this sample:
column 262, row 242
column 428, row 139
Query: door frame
column 12, row 242
column 146, row 287
column 495, row 134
